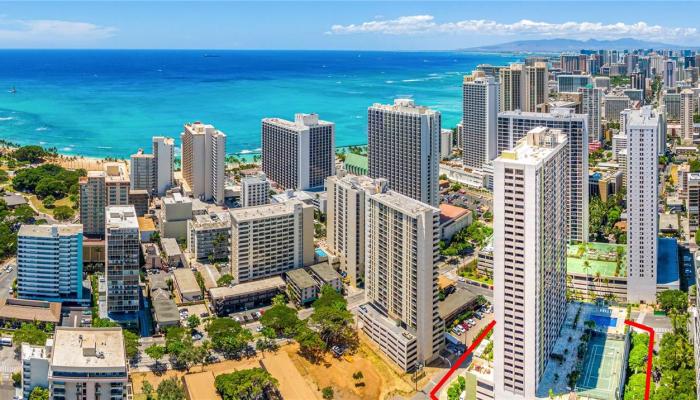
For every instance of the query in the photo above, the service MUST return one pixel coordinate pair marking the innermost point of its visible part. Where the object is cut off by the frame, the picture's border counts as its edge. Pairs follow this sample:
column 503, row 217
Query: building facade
column 141, row 171
column 122, row 265
column 271, row 239
column 642, row 204
column 403, row 147
column 255, row 191
column 163, row 158
column 513, row 126
column 402, row 317
column 529, row 265
column 479, row 116
column 687, row 111
column 591, row 103
column 298, row 154
column 204, row 161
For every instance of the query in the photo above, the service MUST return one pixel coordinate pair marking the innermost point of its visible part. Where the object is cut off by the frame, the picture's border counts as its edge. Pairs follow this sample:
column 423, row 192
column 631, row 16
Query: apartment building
column 298, row 154
column 87, row 364
column 122, row 246
column 163, row 158
column 513, row 126
column 403, row 147
column 479, row 117
column 642, row 204
column 693, row 200
column 100, row 189
column 687, row 111
column 35, row 367
column 209, row 236
column 614, row 105
column 255, row 190
column 271, row 239
column 529, row 259
column 50, row 263
column 204, row 161
column 591, row 105
column 142, row 171
column 401, row 316
column 345, row 221
column 523, row 87
column 572, row 83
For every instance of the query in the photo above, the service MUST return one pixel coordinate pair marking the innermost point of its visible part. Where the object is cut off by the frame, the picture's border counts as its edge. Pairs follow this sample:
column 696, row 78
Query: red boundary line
column 650, row 356
column 489, row 327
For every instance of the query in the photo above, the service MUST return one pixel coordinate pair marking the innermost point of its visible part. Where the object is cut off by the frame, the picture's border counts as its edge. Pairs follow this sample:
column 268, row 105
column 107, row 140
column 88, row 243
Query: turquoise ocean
column 109, row 103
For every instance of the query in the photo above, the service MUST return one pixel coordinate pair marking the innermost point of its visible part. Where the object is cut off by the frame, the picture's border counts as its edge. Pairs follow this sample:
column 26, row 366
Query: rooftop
column 301, row 122
column 211, row 221
column 324, row 271
column 48, row 231
column 403, row 203
column 14, row 199
column 387, row 323
column 198, row 128
column 601, row 257
column 536, row 146
column 30, row 310
column 357, row 160
column 406, row 106
column 146, row 224
column 170, row 247
column 301, row 278
column 186, row 282
column 449, row 212
column 29, row 351
column 557, row 113
column 264, row 211
column 455, row 301
column 121, row 217
column 247, row 287
column 88, row 348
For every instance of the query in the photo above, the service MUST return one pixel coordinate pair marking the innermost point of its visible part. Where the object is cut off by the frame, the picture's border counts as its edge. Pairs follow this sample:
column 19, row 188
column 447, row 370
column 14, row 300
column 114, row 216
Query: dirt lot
column 379, row 379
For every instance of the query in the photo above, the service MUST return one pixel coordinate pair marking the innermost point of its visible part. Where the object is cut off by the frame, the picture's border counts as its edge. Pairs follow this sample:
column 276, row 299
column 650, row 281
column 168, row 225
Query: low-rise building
column 245, row 296
column 140, row 200
column 35, row 367
column 356, row 164
column 452, row 220
column 484, row 263
column 15, row 312
column 165, row 312
column 301, row 287
column 187, row 285
column 324, row 274
column 173, row 254
column 397, row 343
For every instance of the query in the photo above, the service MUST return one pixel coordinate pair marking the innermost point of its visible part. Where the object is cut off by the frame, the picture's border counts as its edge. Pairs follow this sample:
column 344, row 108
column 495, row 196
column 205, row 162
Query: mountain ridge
column 560, row 44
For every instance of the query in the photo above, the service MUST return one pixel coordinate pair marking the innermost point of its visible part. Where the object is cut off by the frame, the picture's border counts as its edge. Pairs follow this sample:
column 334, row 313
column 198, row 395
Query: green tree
column 332, row 319
column 311, row 345
column 281, row 319
column 327, row 393
column 193, row 322
column 49, row 201
column 247, row 384
column 131, row 343
column 155, row 352
column 279, row 300
column 39, row 393
column 17, row 378
column 638, row 353
column 63, row 213
column 673, row 301
column 170, row 389
column 31, row 154
column 147, row 389
column 225, row 280
column 228, row 336
column 30, row 333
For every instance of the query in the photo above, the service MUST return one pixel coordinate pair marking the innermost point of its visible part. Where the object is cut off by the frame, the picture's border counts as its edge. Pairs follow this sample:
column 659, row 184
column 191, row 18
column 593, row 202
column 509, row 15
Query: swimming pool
column 321, row 253
column 604, row 321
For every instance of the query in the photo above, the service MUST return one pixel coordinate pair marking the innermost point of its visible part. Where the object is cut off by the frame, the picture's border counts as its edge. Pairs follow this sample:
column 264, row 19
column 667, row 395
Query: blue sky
column 385, row 25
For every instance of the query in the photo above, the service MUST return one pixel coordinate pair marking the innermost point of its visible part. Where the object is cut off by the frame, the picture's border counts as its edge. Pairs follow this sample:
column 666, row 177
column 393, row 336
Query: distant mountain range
column 559, row 45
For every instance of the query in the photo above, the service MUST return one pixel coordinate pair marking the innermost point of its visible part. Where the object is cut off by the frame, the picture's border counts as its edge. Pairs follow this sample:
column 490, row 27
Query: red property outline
column 489, row 327
column 650, row 330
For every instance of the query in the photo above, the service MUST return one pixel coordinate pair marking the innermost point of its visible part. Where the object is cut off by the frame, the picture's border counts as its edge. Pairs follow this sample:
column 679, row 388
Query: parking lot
column 468, row 331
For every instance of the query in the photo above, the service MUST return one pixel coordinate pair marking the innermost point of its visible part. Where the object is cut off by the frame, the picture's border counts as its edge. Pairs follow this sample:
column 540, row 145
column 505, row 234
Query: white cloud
column 51, row 32
column 426, row 24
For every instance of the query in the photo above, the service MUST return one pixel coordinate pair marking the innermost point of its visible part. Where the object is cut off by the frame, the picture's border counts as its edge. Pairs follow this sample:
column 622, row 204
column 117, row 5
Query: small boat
column 13, row 90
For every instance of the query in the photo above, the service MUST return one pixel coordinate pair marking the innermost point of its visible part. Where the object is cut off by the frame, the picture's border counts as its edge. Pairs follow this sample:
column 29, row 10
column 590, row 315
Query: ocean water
column 110, row 103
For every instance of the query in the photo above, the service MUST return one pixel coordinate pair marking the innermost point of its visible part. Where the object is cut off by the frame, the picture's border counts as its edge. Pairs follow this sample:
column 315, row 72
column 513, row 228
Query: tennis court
column 600, row 376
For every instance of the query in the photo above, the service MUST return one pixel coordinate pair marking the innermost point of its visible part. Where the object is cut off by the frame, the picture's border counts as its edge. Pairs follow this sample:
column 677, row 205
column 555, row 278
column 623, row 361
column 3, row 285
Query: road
column 6, row 278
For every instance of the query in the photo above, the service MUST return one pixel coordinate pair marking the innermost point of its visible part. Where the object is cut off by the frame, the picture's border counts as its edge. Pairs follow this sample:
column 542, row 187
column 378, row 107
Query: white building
column 35, row 367
column 687, row 110
column 142, row 171
column 514, row 125
column 402, row 317
column 619, row 142
column 50, row 263
column 122, row 246
column 445, row 143
column 298, row 154
column 271, row 239
column 204, row 161
column 100, row 189
column 529, row 266
column 479, row 115
column 345, row 221
column 255, row 190
column 403, row 147
column 88, row 363
column 209, row 235
column 642, row 205
column 591, row 104
column 163, row 158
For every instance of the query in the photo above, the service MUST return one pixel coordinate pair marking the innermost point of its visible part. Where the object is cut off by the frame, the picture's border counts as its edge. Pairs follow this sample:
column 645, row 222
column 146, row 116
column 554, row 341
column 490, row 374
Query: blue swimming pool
column 321, row 253
column 604, row 321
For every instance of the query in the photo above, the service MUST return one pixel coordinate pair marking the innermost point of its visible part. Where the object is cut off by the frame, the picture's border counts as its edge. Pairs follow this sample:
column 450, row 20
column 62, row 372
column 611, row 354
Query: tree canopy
column 170, row 389
column 675, row 301
column 228, row 336
column 247, row 384
column 283, row 320
column 30, row 333
column 39, row 393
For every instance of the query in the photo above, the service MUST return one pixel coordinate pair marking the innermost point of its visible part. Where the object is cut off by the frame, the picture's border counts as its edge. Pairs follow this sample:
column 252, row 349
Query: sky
column 336, row 25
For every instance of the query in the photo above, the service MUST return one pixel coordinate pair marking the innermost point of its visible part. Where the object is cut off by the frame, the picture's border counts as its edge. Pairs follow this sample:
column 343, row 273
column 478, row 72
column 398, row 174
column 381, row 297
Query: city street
column 6, row 278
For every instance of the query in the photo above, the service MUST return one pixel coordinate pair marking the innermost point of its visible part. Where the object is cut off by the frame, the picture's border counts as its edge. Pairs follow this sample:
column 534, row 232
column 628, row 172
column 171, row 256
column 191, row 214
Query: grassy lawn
column 601, row 257
column 39, row 206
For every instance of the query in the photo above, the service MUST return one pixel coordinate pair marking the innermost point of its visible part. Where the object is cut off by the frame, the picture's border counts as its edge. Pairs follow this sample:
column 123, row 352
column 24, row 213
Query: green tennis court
column 600, row 375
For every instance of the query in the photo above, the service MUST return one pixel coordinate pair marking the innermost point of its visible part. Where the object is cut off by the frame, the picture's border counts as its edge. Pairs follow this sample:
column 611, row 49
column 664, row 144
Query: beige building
column 122, row 247
column 175, row 213
column 100, row 189
column 345, row 221
column 255, row 190
column 209, row 235
column 529, row 259
column 401, row 316
column 687, row 110
column 88, row 364
column 523, row 87
column 271, row 239
column 142, row 171
column 204, row 162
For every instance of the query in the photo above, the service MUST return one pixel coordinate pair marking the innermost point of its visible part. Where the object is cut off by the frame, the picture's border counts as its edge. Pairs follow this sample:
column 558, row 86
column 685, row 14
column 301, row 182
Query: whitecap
column 339, row 82
column 358, row 116
column 412, row 80
column 6, row 118
column 104, row 147
column 66, row 148
column 42, row 143
column 258, row 149
column 41, row 128
column 389, row 82
column 246, row 151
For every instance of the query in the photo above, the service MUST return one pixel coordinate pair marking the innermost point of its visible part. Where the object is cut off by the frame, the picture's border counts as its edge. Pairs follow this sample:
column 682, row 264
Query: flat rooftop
column 301, row 278
column 122, row 217
column 47, row 231
column 82, row 348
column 186, row 281
column 449, row 212
column 247, row 288
column 324, row 271
column 407, row 106
column 387, row 323
column 601, row 257
column 170, row 247
column 146, row 224
column 403, row 203
column 209, row 221
column 264, row 211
